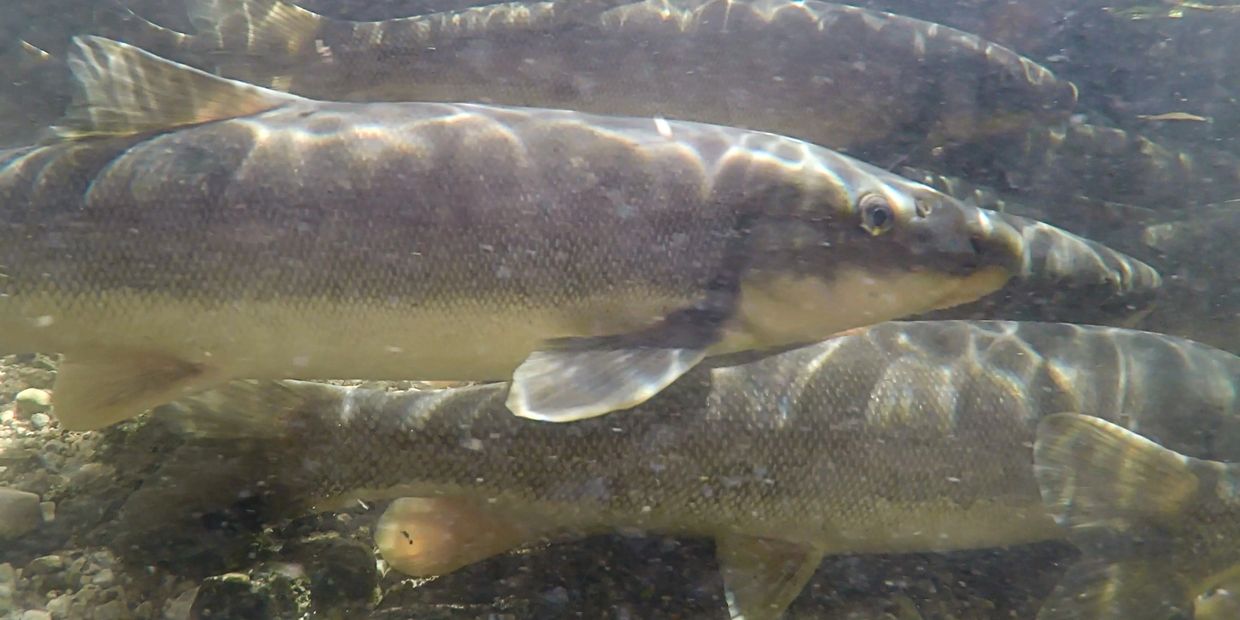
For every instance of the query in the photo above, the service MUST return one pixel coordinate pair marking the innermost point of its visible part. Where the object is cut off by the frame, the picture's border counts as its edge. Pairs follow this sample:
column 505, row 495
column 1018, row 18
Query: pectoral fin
column 567, row 384
column 1119, row 495
column 428, row 536
column 95, row 391
column 762, row 576
column 577, row 378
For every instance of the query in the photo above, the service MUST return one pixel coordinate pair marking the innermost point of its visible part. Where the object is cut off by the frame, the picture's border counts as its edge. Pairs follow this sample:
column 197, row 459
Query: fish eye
column 877, row 217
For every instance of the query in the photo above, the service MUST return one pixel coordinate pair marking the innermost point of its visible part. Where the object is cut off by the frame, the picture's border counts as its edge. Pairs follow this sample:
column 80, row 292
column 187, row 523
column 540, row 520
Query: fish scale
column 815, row 451
column 179, row 230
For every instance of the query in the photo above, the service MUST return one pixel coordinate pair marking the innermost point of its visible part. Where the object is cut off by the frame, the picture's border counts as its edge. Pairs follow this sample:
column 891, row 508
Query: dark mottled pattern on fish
column 902, row 437
column 863, row 75
column 1063, row 163
column 931, row 418
column 1097, row 219
column 202, row 229
column 311, row 197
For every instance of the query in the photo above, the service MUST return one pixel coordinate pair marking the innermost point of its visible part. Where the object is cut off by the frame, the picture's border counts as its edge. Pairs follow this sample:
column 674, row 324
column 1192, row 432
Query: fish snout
column 960, row 239
column 994, row 242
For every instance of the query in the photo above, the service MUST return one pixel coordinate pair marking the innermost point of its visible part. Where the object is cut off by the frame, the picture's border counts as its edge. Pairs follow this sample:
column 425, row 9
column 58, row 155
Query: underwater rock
column 343, row 574
column 8, row 588
column 273, row 591
column 33, row 400
column 19, row 513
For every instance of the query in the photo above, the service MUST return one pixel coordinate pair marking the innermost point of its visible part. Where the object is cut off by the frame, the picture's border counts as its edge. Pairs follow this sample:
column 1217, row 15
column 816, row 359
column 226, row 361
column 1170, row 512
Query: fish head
column 969, row 252
column 859, row 253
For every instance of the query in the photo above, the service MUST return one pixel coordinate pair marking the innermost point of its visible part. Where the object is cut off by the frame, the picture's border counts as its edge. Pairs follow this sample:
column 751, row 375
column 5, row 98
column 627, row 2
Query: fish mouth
column 974, row 286
column 994, row 244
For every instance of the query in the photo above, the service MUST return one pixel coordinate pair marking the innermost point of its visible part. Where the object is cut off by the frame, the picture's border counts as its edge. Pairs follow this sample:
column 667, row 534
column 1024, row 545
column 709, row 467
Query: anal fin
column 762, row 576
column 428, row 536
column 101, row 389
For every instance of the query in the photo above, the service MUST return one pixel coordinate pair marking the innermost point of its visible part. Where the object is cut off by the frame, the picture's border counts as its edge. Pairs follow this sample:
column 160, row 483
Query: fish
column 1101, row 220
column 897, row 438
column 884, row 87
column 179, row 229
column 1156, row 528
column 1058, row 163
column 1175, row 116
column 1199, row 301
column 869, row 82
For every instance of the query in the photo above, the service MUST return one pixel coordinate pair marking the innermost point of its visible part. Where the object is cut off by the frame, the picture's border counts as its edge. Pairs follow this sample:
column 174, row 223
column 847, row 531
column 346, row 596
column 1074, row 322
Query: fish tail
column 1122, row 498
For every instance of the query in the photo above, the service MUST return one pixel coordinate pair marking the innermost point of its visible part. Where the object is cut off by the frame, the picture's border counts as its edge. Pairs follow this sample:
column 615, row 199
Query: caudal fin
column 1124, row 500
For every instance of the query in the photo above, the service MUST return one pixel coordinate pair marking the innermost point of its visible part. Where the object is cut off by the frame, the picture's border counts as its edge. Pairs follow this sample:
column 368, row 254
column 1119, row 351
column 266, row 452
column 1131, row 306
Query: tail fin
column 1121, row 496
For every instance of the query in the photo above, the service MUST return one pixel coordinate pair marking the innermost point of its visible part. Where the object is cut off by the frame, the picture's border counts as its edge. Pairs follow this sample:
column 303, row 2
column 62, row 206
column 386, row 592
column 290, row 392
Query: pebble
column 45, row 565
column 111, row 610
column 8, row 588
column 40, row 420
column 33, row 401
column 49, row 511
column 19, row 513
column 59, row 606
column 36, row 614
column 179, row 608
column 103, row 578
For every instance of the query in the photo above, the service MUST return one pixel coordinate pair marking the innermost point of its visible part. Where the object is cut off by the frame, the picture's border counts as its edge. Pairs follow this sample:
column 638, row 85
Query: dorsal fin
column 123, row 90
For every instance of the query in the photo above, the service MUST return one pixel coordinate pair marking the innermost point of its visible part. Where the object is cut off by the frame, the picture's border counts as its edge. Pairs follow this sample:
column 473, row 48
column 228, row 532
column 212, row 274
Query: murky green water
column 684, row 229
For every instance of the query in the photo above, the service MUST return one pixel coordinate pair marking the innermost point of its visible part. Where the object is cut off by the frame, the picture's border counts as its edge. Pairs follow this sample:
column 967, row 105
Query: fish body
column 1059, row 163
column 183, row 229
column 885, row 87
column 836, row 75
column 902, row 437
